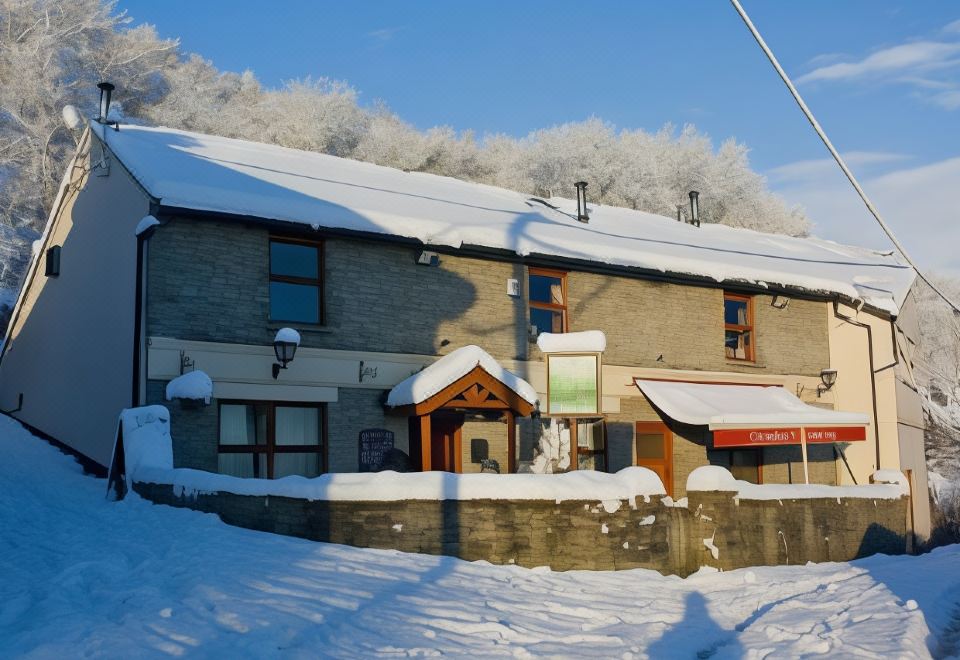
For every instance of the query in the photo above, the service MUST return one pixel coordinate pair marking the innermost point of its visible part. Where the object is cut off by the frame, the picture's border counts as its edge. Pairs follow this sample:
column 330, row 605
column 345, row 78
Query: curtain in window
column 238, row 426
column 556, row 293
column 297, row 426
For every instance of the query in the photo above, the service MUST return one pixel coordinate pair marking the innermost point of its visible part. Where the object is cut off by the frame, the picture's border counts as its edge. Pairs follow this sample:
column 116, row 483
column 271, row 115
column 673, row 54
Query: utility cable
column 836, row 155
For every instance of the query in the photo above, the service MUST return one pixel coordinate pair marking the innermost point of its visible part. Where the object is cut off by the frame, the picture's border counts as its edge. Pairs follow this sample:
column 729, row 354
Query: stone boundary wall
column 575, row 535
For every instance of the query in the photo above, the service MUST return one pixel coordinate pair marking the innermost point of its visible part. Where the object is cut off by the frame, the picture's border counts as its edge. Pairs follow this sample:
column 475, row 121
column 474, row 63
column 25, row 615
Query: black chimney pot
column 582, row 215
column 106, row 90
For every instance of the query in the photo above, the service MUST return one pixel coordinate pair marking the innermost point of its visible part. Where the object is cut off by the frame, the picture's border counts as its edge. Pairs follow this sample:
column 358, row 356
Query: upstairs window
column 548, row 300
column 739, row 336
column 296, row 281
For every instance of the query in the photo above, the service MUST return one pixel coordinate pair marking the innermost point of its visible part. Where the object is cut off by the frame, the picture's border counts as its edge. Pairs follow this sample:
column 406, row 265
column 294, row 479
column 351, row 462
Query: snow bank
column 288, row 335
column 205, row 172
column 451, row 368
column 193, row 385
column 588, row 341
column 626, row 484
column 146, row 223
column 711, row 478
column 146, row 440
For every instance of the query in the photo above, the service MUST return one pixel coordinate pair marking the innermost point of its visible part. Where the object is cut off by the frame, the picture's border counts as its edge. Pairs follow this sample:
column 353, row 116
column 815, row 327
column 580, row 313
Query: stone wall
column 208, row 281
column 579, row 534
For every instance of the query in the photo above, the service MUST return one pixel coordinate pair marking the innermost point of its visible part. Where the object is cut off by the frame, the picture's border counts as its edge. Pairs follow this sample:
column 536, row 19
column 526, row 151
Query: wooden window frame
column 749, row 327
column 553, row 307
column 576, row 451
column 271, row 448
column 306, row 281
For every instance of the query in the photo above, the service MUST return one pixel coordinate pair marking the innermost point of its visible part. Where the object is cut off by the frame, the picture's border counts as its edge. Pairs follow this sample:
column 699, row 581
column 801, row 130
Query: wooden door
column 445, row 441
column 653, row 449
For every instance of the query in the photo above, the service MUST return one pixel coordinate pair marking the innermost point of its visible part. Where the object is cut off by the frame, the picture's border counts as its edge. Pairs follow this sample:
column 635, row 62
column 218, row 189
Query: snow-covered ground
column 82, row 576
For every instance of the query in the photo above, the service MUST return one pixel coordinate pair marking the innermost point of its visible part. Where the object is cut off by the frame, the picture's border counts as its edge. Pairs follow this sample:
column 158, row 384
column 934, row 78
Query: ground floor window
column 591, row 444
column 746, row 465
column 269, row 440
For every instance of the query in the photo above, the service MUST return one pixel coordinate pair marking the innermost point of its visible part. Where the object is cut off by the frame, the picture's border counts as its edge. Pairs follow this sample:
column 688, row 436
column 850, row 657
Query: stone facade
column 580, row 534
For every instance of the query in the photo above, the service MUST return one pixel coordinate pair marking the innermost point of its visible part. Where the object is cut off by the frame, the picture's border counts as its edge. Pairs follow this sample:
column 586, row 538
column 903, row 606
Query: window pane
column 650, row 446
column 305, row 465
column 297, row 426
column 744, row 465
column 590, row 435
column 735, row 312
column 546, row 320
column 247, row 466
column 738, row 344
column 546, row 289
column 294, row 302
column 242, row 424
column 589, row 461
column 294, row 260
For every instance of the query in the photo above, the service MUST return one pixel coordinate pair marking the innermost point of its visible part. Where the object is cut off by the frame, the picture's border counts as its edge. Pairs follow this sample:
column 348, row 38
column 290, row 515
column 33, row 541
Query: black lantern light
column 828, row 377
column 285, row 347
column 694, row 208
column 581, row 187
column 106, row 91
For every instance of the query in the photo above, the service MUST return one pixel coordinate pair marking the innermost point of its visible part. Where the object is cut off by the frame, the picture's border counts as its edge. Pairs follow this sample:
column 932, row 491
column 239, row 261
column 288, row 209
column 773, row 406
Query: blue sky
column 883, row 78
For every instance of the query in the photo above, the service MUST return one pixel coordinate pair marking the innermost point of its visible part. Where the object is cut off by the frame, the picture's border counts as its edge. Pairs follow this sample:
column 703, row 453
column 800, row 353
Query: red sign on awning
column 776, row 437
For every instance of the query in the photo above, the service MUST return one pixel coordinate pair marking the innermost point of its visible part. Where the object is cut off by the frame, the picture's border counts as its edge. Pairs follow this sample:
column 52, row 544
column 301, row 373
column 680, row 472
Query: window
column 267, row 440
column 745, row 465
column 548, row 300
column 739, row 337
column 591, row 444
column 296, row 280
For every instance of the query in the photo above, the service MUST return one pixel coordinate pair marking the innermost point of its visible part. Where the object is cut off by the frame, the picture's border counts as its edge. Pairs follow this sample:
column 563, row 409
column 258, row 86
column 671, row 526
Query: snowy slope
column 83, row 576
column 203, row 172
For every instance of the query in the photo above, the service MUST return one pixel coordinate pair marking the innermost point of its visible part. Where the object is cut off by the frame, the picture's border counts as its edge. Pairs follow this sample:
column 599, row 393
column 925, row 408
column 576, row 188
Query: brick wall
column 355, row 410
column 580, row 534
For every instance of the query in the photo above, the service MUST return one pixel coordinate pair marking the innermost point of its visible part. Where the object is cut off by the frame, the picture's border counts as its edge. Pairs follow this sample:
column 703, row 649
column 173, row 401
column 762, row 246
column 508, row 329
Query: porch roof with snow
column 469, row 378
column 740, row 406
column 200, row 173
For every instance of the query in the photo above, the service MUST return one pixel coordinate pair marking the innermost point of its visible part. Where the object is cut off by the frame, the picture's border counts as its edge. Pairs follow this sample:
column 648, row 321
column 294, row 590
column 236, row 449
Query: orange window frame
column 749, row 327
column 562, row 276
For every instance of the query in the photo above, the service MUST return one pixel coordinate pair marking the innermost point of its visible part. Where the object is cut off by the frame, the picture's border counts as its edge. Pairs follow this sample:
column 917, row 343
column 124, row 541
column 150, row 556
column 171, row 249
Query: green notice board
column 572, row 384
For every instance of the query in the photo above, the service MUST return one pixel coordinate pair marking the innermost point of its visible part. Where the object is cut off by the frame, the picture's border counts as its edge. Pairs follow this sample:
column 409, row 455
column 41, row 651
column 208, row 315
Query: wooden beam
column 425, row 444
column 511, row 442
column 574, row 461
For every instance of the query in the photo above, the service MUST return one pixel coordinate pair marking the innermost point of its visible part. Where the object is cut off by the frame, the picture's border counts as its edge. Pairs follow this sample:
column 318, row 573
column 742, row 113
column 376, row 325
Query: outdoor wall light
column 285, row 347
column 106, row 91
column 828, row 377
column 694, row 208
column 426, row 258
column 582, row 215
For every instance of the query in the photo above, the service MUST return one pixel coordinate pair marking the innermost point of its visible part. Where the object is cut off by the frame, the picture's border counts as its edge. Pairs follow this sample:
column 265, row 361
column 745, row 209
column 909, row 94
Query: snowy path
column 80, row 576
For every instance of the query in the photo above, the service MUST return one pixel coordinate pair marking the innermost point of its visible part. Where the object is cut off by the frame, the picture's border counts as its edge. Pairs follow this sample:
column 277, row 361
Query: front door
column 445, row 441
column 654, row 450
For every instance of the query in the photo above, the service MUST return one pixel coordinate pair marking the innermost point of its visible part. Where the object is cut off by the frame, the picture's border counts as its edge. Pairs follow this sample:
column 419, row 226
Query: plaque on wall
column 374, row 445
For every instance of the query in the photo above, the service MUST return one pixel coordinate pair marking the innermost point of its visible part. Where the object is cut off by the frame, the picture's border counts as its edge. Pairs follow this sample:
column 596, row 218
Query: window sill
column 745, row 363
column 306, row 328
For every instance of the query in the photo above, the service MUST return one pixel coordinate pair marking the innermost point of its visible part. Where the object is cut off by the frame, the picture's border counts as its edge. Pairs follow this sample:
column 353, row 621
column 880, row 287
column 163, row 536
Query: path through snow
column 84, row 576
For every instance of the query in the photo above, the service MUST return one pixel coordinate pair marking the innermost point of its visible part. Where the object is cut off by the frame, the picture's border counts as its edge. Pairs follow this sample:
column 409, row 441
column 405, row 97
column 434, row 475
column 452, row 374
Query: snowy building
column 418, row 302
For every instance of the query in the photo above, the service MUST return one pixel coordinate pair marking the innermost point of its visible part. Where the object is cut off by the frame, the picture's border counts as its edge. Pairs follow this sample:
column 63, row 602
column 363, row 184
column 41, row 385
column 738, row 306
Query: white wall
column 70, row 350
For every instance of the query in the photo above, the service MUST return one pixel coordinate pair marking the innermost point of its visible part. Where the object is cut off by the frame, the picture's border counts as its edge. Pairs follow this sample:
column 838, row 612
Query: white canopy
column 740, row 406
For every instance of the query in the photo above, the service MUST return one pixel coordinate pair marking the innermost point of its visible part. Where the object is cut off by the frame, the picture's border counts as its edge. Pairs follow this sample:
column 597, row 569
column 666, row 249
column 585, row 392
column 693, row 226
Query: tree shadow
column 697, row 635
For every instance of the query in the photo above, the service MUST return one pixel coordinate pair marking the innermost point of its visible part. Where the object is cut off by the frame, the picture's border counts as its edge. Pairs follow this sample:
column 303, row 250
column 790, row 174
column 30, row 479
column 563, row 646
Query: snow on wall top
column 451, row 368
column 716, row 478
column 209, row 173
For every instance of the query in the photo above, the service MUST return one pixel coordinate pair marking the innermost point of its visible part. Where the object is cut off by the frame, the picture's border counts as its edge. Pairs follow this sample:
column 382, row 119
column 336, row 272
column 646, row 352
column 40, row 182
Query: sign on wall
column 573, row 384
column 374, row 445
column 774, row 437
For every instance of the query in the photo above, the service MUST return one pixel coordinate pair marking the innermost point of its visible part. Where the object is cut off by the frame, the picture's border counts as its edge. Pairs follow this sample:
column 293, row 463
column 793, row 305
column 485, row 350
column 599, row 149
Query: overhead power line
column 836, row 155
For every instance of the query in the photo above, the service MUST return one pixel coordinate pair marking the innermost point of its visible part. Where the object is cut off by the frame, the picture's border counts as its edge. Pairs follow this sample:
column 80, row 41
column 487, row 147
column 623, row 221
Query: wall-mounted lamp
column 426, row 258
column 828, row 377
column 582, row 214
column 694, row 208
column 780, row 302
column 285, row 347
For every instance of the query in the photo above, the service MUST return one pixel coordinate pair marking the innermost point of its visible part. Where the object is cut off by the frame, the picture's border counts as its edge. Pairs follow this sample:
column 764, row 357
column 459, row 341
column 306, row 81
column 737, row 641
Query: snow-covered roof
column 209, row 173
column 740, row 406
column 587, row 341
column 449, row 369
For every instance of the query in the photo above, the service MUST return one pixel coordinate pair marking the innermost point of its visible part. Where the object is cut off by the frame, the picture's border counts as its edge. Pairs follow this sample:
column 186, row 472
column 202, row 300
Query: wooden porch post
column 574, row 461
column 511, row 442
column 425, row 443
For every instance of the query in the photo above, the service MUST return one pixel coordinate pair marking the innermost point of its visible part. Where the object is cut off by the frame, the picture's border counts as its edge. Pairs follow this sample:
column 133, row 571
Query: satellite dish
column 71, row 117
